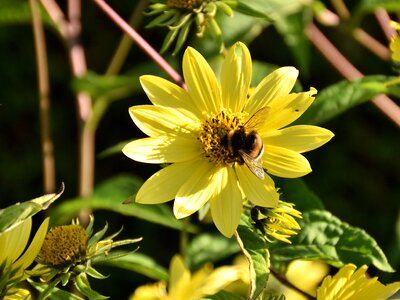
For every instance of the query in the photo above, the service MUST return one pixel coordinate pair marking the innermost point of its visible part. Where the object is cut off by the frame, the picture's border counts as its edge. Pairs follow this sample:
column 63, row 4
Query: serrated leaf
column 110, row 195
column 326, row 238
column 297, row 192
column 56, row 293
column 83, row 286
column 138, row 263
column 255, row 249
column 342, row 96
column 15, row 214
column 209, row 247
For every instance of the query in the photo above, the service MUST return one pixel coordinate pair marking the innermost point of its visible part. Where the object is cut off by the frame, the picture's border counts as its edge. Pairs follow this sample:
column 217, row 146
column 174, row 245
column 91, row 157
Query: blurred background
column 356, row 175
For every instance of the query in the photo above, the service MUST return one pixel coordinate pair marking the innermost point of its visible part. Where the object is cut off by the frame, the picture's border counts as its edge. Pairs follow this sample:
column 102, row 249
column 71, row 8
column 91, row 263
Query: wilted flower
column 219, row 140
column 180, row 15
column 349, row 284
column 13, row 259
column 185, row 286
column 278, row 222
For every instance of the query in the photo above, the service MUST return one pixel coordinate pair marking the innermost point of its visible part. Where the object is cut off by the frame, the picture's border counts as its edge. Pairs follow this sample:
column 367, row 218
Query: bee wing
column 254, row 165
column 257, row 119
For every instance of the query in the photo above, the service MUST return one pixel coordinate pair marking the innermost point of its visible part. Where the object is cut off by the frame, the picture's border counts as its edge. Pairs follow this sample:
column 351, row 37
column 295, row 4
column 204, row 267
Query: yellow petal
column 299, row 138
column 163, row 185
column 260, row 192
column 30, row 254
column 179, row 277
column 219, row 279
column 286, row 109
column 163, row 149
column 285, row 163
column 14, row 241
column 236, row 77
column 164, row 93
column 279, row 83
column 226, row 202
column 196, row 190
column 158, row 120
column 201, row 82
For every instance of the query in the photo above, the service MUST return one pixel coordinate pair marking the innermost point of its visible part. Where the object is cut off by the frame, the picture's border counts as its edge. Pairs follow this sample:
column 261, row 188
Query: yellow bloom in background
column 186, row 286
column 395, row 43
column 218, row 140
column 349, row 284
column 13, row 259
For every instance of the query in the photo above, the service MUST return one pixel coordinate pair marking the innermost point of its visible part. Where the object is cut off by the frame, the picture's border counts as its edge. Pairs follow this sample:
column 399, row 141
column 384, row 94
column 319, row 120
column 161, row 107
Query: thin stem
column 341, row 9
column 337, row 60
column 286, row 282
column 140, row 42
column 125, row 44
column 49, row 181
column 372, row 44
column 383, row 19
column 57, row 15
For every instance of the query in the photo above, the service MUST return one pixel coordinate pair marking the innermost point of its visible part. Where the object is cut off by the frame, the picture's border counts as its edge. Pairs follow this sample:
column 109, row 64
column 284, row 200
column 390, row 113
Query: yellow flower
column 350, row 285
column 13, row 259
column 204, row 133
column 185, row 286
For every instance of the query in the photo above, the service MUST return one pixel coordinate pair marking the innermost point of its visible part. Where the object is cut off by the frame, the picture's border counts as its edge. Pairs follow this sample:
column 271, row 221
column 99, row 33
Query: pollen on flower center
column 184, row 4
column 214, row 138
column 64, row 245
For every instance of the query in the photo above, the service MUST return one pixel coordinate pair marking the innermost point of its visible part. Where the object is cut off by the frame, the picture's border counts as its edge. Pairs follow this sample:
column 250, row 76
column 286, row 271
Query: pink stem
column 140, row 42
column 383, row 18
column 384, row 103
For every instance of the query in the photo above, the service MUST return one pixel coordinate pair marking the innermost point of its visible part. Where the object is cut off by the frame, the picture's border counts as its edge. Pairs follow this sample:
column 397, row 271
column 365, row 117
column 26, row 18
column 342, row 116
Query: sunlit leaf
column 15, row 214
column 255, row 249
column 326, row 238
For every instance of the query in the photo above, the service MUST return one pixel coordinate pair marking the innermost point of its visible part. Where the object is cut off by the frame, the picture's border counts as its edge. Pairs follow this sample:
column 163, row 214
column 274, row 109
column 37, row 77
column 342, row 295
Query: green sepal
column 184, row 31
column 92, row 272
column 169, row 38
column 83, row 286
column 56, row 294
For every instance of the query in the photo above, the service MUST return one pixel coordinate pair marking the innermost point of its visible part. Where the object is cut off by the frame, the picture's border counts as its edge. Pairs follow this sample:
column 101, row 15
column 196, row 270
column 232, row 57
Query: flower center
column 64, row 245
column 215, row 135
column 184, row 4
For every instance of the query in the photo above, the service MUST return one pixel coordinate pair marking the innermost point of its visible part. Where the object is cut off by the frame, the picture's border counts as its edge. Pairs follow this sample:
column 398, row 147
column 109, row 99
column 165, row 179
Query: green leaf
column 342, row 96
column 292, row 28
column 209, row 247
column 56, row 293
column 14, row 12
column 270, row 9
column 110, row 195
column 15, row 214
column 255, row 249
column 224, row 295
column 138, row 263
column 297, row 192
column 83, row 286
column 369, row 6
column 92, row 272
column 324, row 237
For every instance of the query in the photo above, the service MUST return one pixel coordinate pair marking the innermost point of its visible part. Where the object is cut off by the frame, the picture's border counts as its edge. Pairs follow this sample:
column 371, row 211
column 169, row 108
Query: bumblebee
column 246, row 144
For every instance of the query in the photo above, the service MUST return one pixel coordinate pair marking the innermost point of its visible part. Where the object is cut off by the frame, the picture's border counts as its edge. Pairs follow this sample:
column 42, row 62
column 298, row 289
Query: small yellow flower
column 180, row 15
column 202, row 133
column 13, row 260
column 349, row 284
column 185, row 286
column 278, row 222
